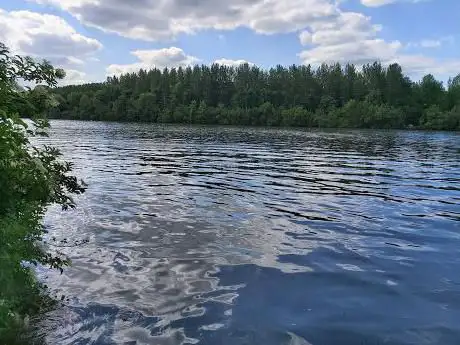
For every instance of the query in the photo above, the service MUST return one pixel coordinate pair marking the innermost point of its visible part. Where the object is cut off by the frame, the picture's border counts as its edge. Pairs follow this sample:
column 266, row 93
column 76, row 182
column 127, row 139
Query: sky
column 94, row 39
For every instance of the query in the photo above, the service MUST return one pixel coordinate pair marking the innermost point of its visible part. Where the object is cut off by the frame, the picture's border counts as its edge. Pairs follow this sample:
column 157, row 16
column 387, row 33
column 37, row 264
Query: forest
column 334, row 96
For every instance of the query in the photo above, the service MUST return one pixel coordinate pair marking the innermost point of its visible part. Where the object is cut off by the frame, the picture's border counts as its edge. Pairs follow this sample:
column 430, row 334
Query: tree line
column 373, row 96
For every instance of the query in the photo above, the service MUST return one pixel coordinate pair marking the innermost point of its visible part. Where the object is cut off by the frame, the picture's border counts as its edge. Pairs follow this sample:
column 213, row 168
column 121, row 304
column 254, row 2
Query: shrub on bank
column 31, row 178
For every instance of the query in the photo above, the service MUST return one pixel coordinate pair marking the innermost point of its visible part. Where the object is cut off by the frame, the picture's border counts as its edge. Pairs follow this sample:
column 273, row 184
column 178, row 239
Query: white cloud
column 154, row 20
column 45, row 36
column 74, row 77
column 159, row 58
column 352, row 38
column 348, row 26
column 305, row 38
column 359, row 52
column 232, row 63
column 49, row 37
column 66, row 61
column 328, row 34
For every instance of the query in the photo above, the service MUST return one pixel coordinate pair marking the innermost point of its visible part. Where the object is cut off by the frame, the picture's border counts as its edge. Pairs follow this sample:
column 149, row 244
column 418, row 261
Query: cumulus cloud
column 232, row 63
column 74, row 77
column 352, row 38
column 49, row 37
column 45, row 36
column 305, row 38
column 347, row 27
column 154, row 20
column 66, row 60
column 157, row 58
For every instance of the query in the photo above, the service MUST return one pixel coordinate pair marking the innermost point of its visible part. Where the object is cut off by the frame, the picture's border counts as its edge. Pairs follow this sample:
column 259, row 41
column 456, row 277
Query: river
column 232, row 236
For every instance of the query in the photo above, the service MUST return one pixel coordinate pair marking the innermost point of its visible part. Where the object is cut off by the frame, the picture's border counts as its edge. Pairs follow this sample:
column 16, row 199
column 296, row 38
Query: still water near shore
column 211, row 235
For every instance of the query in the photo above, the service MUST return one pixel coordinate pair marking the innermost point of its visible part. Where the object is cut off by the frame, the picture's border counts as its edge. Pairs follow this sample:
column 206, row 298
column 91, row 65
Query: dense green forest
column 329, row 96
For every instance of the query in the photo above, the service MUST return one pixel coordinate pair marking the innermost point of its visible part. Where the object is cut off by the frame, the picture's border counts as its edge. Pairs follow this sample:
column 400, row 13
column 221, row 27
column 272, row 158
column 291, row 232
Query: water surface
column 211, row 235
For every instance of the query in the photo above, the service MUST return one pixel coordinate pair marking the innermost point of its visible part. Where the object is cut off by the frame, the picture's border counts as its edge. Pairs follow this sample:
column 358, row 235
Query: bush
column 31, row 178
column 435, row 118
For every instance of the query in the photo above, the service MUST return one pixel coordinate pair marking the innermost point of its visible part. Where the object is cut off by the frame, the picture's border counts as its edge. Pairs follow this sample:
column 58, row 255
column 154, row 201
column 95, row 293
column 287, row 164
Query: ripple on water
column 216, row 235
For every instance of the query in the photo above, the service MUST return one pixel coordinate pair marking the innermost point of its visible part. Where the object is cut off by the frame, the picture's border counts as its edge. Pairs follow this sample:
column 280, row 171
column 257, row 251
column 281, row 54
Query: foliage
column 330, row 96
column 31, row 178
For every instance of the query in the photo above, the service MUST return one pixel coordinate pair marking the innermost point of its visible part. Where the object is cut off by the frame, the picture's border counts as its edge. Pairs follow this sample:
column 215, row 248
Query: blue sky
column 92, row 39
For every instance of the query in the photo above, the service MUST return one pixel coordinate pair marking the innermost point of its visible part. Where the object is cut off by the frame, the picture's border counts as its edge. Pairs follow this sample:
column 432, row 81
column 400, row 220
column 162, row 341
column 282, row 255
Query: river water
column 212, row 235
